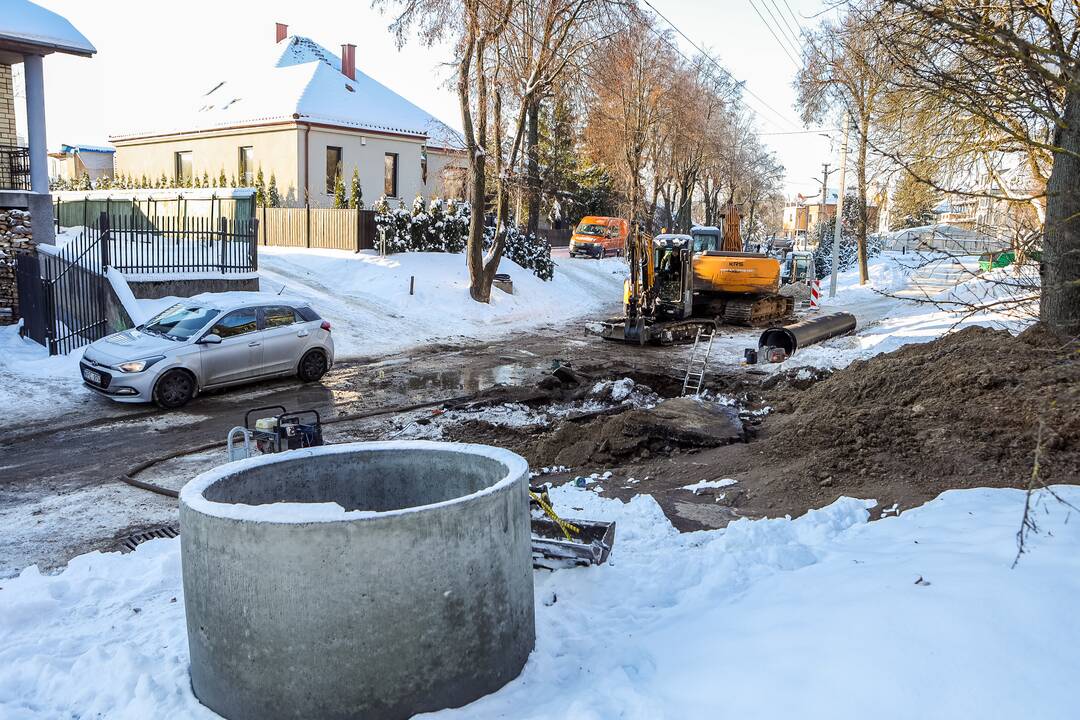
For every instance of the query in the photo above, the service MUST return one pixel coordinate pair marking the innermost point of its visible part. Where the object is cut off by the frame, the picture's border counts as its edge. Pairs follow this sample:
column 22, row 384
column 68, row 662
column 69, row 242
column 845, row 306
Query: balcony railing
column 14, row 168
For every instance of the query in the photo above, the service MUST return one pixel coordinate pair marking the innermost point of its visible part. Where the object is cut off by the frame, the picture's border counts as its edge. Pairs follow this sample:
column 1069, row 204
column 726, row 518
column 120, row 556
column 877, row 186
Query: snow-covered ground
column 366, row 297
column 827, row 616
column 888, row 316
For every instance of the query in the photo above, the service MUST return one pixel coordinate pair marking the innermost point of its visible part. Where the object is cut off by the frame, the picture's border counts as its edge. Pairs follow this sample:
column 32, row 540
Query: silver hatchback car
column 210, row 341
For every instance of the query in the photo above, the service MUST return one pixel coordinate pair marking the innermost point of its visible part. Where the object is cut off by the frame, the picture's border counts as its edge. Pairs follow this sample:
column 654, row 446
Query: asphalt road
column 59, row 488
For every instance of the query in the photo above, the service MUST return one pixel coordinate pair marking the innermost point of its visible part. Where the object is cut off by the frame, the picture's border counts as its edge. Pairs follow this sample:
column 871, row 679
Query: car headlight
column 135, row 366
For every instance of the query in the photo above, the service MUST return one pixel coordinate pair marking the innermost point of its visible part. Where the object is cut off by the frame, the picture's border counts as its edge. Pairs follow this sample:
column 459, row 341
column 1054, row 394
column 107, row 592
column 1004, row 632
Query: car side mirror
column 211, row 339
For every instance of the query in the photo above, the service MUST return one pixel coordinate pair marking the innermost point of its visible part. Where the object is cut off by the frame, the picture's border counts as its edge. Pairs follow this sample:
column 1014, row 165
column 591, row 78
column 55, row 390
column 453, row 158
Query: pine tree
column 222, row 180
column 205, row 179
column 260, row 190
column 232, row 181
column 196, row 182
column 356, row 194
column 340, row 201
column 273, row 197
column 144, row 182
column 913, row 201
column 163, row 181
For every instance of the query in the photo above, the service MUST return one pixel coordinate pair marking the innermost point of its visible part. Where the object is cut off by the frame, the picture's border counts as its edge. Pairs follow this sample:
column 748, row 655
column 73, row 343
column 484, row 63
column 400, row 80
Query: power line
column 793, row 44
column 775, row 36
column 792, row 14
column 721, row 68
column 804, row 132
column 794, row 33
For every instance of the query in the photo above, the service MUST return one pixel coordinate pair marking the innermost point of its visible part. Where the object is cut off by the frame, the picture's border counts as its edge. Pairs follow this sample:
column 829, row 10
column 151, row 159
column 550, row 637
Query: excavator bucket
column 628, row 331
column 562, row 542
column 590, row 546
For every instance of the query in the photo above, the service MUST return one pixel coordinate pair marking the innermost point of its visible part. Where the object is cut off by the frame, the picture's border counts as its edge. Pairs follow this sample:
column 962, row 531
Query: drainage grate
column 129, row 543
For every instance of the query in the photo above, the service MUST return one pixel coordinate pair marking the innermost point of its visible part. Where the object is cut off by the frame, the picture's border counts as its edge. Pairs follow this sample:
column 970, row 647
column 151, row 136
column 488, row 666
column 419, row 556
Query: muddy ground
column 975, row 409
column 971, row 409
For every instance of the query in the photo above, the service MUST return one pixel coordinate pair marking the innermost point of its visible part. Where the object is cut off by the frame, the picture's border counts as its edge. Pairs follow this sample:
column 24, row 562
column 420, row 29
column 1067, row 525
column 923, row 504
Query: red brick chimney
column 281, row 31
column 348, row 61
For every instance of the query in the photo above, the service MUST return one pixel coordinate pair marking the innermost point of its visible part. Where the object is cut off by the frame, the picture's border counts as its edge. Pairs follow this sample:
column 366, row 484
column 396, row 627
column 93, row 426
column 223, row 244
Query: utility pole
column 839, row 211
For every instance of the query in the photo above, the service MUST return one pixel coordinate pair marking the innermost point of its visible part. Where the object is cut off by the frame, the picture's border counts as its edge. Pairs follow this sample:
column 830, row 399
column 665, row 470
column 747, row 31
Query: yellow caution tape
column 566, row 527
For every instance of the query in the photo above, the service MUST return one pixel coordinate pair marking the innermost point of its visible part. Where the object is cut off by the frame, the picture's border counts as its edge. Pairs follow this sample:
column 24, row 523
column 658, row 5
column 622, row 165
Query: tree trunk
column 1059, row 308
column 533, row 137
column 862, row 209
column 474, row 146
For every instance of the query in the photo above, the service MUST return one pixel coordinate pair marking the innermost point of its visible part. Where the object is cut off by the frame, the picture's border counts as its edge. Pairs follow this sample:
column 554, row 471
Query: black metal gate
column 63, row 295
column 31, row 297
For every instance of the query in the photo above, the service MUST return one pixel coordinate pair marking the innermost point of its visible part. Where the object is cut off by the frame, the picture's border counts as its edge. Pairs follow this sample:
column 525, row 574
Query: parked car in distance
column 597, row 236
column 209, row 341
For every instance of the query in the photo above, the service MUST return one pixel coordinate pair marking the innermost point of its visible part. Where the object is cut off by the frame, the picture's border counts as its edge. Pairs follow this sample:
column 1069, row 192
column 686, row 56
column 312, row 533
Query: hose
column 128, row 477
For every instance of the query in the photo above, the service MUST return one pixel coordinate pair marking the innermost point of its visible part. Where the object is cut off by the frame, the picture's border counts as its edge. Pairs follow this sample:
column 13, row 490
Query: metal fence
column 169, row 245
column 14, row 167
column 64, row 296
column 70, row 210
column 323, row 228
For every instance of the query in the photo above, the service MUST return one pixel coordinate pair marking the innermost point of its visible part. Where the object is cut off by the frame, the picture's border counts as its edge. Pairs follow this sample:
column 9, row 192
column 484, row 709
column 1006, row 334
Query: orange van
column 599, row 236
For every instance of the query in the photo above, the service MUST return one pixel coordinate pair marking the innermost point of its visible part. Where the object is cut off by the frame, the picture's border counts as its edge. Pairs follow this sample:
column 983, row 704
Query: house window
column 247, row 166
column 183, row 167
column 390, row 175
column 423, row 165
column 333, row 167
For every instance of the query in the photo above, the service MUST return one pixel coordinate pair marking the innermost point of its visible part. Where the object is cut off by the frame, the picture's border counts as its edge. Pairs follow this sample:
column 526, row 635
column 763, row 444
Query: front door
column 239, row 354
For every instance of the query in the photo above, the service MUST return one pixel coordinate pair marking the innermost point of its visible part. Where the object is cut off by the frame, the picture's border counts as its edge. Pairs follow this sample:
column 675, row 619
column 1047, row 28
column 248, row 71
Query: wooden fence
column 324, row 228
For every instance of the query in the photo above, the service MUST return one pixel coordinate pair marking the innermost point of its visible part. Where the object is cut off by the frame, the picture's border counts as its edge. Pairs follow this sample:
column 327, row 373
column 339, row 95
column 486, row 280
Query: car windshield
column 180, row 321
column 593, row 229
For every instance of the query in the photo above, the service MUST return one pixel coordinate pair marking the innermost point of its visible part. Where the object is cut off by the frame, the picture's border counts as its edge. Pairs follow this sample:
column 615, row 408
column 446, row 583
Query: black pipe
column 807, row 332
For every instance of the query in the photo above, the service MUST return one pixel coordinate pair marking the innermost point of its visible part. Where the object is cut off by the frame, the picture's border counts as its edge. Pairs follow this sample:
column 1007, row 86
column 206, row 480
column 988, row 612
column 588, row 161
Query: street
column 60, row 493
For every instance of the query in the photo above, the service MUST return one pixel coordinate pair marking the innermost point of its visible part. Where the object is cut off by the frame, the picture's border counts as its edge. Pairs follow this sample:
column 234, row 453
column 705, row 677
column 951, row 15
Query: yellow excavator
column 679, row 283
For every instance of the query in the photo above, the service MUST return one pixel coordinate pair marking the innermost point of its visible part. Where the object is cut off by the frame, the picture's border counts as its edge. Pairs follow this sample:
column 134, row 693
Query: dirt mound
column 964, row 410
column 675, row 423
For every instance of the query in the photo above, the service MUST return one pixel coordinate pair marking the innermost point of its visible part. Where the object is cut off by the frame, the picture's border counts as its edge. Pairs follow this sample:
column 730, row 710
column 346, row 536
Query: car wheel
column 174, row 389
column 312, row 366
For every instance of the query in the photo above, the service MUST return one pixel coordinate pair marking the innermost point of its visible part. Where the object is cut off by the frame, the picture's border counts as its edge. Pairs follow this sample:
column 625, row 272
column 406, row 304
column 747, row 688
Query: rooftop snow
column 29, row 24
column 302, row 80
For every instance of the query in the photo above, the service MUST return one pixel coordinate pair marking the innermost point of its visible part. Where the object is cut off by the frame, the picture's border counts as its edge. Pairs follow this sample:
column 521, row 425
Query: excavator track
column 754, row 312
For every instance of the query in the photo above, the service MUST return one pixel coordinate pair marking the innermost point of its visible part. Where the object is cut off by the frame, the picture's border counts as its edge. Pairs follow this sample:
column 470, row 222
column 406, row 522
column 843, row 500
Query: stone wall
column 14, row 236
column 7, row 107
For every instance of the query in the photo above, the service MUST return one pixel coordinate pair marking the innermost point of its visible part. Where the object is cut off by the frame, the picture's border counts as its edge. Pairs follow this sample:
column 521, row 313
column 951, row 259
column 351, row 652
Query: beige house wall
column 367, row 154
column 282, row 150
column 275, row 149
column 7, row 107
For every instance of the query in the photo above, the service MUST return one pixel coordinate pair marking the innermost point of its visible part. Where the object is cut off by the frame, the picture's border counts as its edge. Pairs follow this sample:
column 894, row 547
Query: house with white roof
column 72, row 162
column 306, row 116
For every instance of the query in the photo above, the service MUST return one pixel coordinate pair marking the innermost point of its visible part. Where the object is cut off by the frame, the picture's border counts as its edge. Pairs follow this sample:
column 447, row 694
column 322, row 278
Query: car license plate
column 92, row 376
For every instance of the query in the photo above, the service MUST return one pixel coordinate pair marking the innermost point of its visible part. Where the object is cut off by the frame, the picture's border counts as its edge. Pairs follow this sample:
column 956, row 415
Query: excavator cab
column 674, row 276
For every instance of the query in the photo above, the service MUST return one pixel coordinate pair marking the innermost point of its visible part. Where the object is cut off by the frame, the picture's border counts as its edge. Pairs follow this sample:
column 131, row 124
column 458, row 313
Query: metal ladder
column 695, row 369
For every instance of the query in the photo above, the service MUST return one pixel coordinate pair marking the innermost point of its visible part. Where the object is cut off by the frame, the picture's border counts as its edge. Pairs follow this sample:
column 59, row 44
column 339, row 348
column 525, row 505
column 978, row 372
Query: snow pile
column 821, row 617
column 700, row 485
column 897, row 307
column 367, row 297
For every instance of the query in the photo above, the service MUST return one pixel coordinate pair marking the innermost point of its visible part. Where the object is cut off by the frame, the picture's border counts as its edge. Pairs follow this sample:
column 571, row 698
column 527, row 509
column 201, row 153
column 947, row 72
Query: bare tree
column 1003, row 78
column 507, row 54
column 629, row 84
column 846, row 68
